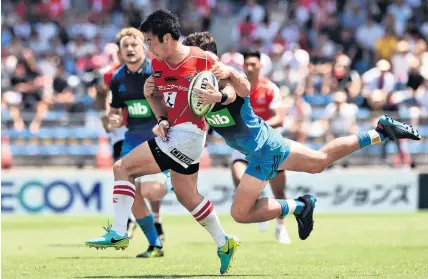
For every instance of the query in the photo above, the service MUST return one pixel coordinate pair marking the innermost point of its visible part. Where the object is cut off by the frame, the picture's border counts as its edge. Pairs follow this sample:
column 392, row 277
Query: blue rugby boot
column 110, row 239
column 305, row 220
column 395, row 130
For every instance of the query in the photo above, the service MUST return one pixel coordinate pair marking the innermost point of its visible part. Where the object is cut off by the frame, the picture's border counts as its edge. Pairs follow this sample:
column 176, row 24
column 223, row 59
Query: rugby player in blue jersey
column 130, row 108
column 269, row 153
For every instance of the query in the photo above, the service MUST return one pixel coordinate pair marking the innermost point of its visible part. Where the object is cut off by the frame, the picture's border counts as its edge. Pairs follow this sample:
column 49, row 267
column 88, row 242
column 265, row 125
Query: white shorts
column 158, row 177
column 237, row 156
column 185, row 145
column 118, row 134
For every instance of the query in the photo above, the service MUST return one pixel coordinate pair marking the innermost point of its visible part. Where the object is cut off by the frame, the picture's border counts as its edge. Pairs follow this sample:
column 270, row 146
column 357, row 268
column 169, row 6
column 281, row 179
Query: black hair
column 252, row 53
column 160, row 23
column 203, row 40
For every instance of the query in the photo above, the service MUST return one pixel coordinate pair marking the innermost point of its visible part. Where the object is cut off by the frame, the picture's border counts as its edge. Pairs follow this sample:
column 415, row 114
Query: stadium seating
column 72, row 140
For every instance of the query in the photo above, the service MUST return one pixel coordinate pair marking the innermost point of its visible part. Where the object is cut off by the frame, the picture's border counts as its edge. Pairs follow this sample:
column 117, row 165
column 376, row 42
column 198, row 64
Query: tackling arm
column 237, row 79
column 240, row 82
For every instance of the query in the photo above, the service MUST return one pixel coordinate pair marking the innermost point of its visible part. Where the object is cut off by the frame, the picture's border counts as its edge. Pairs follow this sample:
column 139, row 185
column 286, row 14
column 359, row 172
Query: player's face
column 252, row 67
column 158, row 49
column 131, row 50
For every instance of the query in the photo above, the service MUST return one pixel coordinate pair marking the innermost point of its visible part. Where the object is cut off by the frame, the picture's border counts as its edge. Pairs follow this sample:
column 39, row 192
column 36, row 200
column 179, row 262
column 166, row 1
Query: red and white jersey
column 264, row 98
column 174, row 82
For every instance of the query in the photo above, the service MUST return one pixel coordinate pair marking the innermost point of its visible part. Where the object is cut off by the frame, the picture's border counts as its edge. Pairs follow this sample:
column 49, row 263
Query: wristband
column 162, row 118
column 223, row 97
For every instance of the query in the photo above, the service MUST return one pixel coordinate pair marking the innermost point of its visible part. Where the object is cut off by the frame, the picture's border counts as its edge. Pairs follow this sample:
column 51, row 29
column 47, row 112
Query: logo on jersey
column 170, row 79
column 139, row 108
column 191, row 76
column 158, row 74
column 220, row 119
column 169, row 98
column 122, row 88
column 180, row 156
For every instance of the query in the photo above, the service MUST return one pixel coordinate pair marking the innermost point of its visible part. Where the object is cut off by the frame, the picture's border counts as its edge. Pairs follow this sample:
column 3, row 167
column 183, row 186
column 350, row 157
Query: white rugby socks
column 123, row 199
column 206, row 215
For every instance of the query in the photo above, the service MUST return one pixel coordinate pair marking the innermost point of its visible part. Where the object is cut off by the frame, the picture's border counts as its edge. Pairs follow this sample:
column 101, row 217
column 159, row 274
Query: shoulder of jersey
column 266, row 83
column 120, row 72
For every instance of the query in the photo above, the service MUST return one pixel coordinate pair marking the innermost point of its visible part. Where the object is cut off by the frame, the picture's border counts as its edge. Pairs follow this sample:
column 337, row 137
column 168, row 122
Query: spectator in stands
column 246, row 31
column 298, row 120
column 400, row 62
column 422, row 92
column 346, row 79
column 340, row 117
column 401, row 13
column 366, row 37
column 252, row 10
column 25, row 94
column 233, row 58
column 266, row 31
column 62, row 97
column 386, row 45
column 379, row 77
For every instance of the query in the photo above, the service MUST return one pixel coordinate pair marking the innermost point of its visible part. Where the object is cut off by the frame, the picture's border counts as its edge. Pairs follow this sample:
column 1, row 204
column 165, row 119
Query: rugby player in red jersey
column 130, row 108
column 181, row 134
column 118, row 135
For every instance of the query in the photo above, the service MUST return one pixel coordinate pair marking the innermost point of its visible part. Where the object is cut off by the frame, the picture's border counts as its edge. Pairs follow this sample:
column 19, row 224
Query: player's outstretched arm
column 238, row 79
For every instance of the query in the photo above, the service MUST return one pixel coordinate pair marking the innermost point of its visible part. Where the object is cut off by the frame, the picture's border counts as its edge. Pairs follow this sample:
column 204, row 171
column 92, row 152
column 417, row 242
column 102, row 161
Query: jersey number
column 169, row 98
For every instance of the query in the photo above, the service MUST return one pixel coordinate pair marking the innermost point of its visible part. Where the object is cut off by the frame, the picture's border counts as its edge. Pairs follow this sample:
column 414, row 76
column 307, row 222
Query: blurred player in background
column 266, row 102
column 181, row 137
column 130, row 108
column 117, row 134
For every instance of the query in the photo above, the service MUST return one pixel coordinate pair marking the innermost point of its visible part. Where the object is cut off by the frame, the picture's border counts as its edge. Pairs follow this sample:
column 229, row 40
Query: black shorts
column 117, row 148
column 166, row 163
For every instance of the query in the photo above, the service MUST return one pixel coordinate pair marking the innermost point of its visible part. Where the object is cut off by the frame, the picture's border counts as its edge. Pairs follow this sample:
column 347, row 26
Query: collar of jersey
column 140, row 70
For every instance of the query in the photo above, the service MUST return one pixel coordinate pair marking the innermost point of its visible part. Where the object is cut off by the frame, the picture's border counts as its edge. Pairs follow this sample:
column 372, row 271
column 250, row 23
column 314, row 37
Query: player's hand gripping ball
column 200, row 81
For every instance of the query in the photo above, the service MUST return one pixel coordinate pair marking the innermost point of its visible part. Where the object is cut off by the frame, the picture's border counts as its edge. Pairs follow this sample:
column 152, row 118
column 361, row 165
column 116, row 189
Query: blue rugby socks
column 290, row 206
column 370, row 137
column 147, row 225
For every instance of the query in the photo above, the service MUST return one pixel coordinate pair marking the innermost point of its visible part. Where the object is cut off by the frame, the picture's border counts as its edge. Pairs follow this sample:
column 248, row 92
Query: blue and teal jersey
column 127, row 90
column 264, row 147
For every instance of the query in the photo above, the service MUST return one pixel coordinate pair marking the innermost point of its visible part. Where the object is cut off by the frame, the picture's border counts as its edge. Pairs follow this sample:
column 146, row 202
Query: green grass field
column 341, row 246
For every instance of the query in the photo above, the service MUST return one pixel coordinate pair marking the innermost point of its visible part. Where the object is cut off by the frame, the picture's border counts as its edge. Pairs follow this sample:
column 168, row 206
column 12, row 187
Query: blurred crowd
column 334, row 61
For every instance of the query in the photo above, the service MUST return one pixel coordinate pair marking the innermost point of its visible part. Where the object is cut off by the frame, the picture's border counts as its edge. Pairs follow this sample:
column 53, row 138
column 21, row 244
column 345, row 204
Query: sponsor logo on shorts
column 158, row 74
column 139, row 108
column 170, row 79
column 220, row 119
column 180, row 156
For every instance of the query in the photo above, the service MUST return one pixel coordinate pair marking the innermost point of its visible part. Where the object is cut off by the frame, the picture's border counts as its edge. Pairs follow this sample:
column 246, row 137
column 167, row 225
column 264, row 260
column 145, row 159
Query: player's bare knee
column 238, row 216
column 146, row 192
column 119, row 168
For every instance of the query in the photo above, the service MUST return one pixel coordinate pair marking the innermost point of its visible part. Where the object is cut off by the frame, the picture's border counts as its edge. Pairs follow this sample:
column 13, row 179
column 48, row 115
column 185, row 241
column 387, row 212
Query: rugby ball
column 200, row 81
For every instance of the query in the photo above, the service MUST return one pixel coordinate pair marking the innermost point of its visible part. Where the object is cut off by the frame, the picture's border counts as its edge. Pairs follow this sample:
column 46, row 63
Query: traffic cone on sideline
column 104, row 158
column 205, row 161
column 6, row 153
